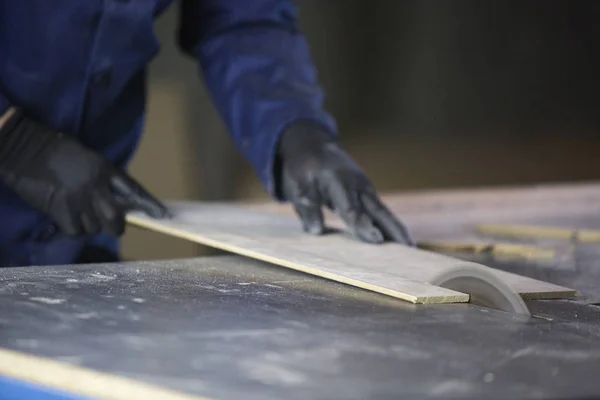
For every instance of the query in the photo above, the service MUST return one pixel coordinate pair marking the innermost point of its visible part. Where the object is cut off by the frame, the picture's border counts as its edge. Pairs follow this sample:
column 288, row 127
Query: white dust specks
column 567, row 355
column 272, row 286
column 407, row 353
column 226, row 291
column 88, row 315
column 138, row 300
column 47, row 300
column 102, row 277
column 272, row 373
column 451, row 387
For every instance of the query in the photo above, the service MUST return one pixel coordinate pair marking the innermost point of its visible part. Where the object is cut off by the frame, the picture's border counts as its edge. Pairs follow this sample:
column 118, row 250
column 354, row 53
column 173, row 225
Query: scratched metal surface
column 230, row 328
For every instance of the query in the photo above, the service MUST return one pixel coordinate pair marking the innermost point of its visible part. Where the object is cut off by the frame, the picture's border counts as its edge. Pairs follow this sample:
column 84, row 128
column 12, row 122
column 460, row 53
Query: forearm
column 258, row 69
column 274, row 87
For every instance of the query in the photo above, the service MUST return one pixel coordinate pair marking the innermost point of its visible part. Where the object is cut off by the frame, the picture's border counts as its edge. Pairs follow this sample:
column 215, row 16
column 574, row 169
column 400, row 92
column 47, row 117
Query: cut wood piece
column 540, row 232
column 503, row 250
column 390, row 269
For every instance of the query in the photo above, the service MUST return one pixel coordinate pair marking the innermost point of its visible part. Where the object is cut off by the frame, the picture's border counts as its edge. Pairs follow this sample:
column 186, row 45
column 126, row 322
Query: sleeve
column 4, row 105
column 258, row 69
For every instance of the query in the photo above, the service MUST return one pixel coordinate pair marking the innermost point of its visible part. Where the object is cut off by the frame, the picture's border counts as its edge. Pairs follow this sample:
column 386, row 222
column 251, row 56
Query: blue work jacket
column 79, row 66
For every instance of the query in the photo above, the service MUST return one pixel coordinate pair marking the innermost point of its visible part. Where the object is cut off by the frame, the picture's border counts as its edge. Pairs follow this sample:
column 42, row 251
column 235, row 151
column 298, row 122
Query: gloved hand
column 77, row 188
column 314, row 171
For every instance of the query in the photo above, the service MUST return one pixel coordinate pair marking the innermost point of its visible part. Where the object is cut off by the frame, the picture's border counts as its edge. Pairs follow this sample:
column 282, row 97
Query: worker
column 72, row 104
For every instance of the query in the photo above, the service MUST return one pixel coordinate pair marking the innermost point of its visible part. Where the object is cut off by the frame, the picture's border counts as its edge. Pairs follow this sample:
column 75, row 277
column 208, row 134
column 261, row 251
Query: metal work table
column 227, row 327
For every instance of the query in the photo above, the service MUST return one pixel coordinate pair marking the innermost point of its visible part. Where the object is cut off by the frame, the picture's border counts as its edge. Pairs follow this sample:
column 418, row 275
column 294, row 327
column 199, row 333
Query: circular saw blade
column 483, row 287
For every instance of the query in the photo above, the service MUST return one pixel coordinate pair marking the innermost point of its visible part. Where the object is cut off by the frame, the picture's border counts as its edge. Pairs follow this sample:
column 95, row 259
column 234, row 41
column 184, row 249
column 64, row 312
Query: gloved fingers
column 367, row 230
column 67, row 221
column 69, row 226
column 346, row 204
column 90, row 223
column 134, row 197
column 310, row 215
column 110, row 214
column 88, row 218
column 389, row 225
column 306, row 203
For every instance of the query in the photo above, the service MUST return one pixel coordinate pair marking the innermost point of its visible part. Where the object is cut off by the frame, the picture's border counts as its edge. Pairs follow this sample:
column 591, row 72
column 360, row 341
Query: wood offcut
column 540, row 232
column 512, row 251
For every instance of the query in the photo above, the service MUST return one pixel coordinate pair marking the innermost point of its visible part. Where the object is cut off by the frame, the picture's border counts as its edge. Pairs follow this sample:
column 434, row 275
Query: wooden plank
column 391, row 269
column 540, row 232
column 75, row 380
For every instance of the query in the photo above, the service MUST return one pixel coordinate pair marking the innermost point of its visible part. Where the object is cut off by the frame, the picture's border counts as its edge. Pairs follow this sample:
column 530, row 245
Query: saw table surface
column 227, row 327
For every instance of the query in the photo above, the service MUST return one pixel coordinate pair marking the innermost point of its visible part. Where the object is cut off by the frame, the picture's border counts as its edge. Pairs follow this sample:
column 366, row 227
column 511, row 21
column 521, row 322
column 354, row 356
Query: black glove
column 312, row 170
column 81, row 192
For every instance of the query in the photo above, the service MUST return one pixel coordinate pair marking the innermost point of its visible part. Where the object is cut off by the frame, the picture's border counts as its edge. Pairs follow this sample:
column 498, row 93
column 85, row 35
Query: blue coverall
column 79, row 66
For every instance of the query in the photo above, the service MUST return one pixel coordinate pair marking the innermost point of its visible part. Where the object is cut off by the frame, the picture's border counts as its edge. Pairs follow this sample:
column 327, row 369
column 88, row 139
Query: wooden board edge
column 458, row 298
column 551, row 291
column 567, row 294
column 76, row 380
column 451, row 296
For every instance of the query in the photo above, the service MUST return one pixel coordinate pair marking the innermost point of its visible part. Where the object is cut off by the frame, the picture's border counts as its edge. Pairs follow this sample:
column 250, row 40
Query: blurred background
column 427, row 94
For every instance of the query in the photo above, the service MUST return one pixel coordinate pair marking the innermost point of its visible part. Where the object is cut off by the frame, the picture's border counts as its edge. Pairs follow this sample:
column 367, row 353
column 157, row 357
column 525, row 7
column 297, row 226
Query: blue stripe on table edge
column 12, row 389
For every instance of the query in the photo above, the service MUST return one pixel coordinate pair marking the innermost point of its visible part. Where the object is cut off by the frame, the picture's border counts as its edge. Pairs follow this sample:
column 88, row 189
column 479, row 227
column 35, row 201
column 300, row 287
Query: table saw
column 230, row 327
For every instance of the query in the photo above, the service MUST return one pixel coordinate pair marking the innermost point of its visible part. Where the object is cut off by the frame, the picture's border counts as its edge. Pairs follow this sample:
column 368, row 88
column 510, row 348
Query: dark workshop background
column 426, row 94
